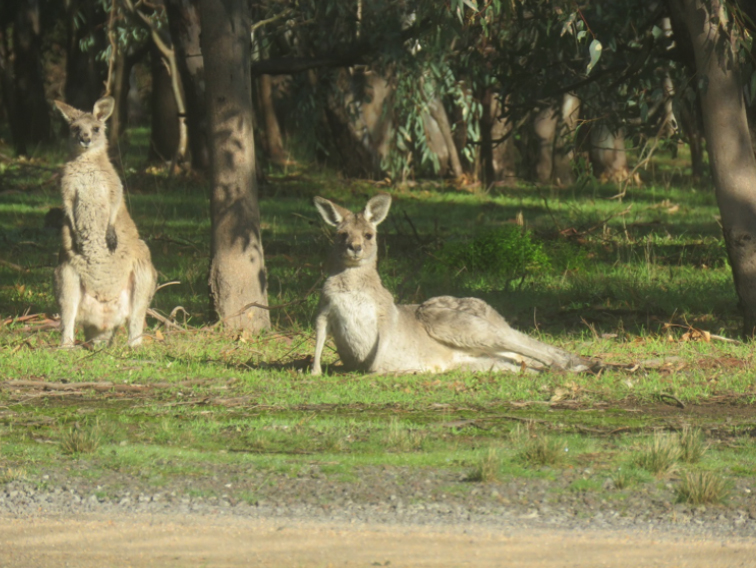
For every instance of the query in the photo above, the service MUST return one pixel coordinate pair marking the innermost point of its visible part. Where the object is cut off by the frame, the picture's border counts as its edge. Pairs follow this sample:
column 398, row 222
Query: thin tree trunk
column 728, row 142
column 84, row 73
column 437, row 111
column 28, row 70
column 9, row 95
column 237, row 266
column 273, row 138
column 184, row 23
column 164, row 131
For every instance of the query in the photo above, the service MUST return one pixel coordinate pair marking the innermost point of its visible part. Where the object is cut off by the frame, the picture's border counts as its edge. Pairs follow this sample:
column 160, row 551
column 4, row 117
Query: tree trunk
column 438, row 113
column 564, row 143
column 9, row 94
column 30, row 89
column 85, row 75
column 184, row 24
column 497, row 151
column 545, row 126
column 164, row 137
column 119, row 90
column 237, row 266
column 728, row 142
column 273, row 140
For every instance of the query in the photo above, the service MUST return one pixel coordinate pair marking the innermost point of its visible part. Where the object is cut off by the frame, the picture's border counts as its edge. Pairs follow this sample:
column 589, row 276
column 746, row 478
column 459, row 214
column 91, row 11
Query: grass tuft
column 80, row 440
column 488, row 467
column 660, row 455
column 702, row 488
column 542, row 450
column 402, row 438
column 9, row 474
column 692, row 444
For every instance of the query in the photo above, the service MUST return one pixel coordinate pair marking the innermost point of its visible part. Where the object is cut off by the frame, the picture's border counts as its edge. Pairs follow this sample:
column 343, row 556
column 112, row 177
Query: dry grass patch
column 80, row 439
column 402, row 438
column 488, row 467
column 542, row 450
column 702, row 488
column 660, row 455
column 692, row 444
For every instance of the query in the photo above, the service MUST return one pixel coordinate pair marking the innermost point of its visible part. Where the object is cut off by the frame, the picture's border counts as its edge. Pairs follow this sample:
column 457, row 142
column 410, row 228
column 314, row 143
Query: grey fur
column 105, row 276
column 374, row 334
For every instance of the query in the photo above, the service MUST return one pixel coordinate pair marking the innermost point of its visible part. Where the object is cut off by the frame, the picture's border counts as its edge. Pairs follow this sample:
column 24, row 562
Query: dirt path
column 157, row 541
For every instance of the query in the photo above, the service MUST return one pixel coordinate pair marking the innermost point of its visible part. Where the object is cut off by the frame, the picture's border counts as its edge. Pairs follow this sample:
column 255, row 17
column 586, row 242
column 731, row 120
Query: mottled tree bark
column 237, row 266
column 733, row 164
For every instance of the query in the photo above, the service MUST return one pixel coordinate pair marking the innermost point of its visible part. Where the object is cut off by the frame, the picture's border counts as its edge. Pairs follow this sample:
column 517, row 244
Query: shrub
column 507, row 255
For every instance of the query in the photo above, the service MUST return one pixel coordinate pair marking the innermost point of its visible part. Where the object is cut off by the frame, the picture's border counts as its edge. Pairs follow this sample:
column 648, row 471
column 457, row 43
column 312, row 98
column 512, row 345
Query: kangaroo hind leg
column 68, row 292
column 144, row 280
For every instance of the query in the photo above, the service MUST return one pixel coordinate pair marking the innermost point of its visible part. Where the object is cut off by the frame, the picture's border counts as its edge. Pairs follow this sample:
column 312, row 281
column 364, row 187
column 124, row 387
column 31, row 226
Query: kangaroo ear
column 103, row 108
column 377, row 208
column 68, row 112
column 331, row 213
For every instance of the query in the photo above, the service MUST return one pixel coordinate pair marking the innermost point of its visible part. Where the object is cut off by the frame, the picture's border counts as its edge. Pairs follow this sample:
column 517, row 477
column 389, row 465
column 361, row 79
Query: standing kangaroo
column 374, row 334
column 105, row 276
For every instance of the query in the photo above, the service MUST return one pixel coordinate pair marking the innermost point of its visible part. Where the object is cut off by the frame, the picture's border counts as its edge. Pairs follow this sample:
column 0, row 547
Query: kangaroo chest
column 87, row 193
column 355, row 317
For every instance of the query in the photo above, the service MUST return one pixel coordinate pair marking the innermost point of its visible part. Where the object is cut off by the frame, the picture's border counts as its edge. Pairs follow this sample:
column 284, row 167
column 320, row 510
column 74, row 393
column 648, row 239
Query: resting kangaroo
column 374, row 334
column 105, row 276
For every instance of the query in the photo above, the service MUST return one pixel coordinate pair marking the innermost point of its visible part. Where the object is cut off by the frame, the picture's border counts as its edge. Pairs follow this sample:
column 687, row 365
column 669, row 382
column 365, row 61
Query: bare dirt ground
column 176, row 541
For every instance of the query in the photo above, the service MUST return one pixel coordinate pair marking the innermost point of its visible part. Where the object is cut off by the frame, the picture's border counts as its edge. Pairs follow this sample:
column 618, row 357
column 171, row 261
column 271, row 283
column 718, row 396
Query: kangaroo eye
column 96, row 129
column 369, row 236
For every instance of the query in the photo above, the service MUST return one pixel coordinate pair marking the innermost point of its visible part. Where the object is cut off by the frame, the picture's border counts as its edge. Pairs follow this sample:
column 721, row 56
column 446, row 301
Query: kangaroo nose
column 356, row 247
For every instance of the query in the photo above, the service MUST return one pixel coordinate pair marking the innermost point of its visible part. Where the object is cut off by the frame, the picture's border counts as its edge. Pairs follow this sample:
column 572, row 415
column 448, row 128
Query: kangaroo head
column 88, row 128
column 356, row 243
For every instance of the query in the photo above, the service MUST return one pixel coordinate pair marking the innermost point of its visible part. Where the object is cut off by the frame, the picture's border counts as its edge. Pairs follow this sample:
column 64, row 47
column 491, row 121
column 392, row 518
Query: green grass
column 610, row 277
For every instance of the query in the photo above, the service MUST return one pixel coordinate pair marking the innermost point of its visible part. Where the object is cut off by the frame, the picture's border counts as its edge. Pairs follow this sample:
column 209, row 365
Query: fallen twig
column 665, row 395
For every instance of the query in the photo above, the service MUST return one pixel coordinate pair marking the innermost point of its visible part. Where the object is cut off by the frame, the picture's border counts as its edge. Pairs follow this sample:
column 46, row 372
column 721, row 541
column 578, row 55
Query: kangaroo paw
column 111, row 238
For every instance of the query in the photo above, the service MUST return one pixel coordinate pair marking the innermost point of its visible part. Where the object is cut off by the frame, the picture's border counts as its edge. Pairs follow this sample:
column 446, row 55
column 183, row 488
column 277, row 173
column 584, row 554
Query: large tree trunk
column 237, row 266
column 728, row 142
column 184, row 23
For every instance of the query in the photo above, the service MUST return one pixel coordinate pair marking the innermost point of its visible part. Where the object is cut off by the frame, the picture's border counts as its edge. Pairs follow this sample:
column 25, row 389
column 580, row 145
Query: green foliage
column 507, row 254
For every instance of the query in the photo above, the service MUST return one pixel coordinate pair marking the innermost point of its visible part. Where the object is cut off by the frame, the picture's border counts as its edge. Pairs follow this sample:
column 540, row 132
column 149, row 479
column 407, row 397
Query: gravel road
column 387, row 516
